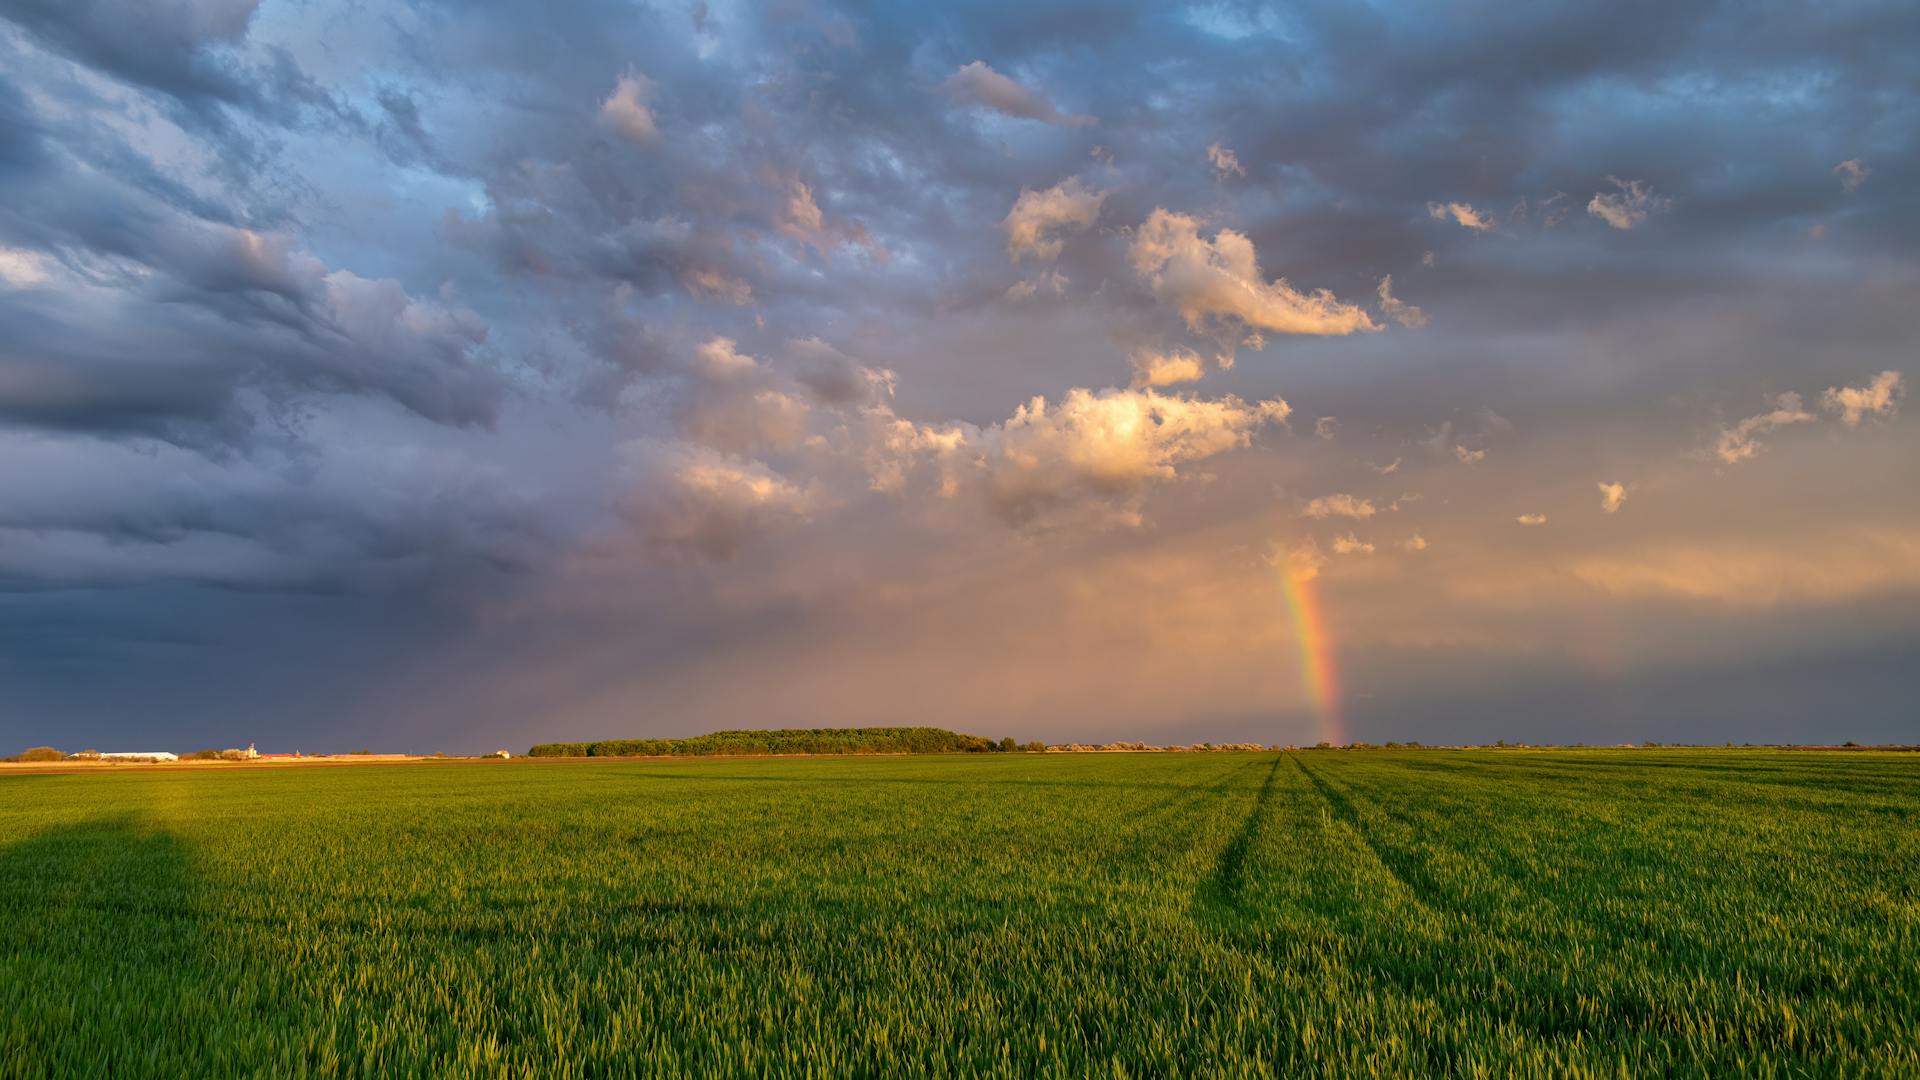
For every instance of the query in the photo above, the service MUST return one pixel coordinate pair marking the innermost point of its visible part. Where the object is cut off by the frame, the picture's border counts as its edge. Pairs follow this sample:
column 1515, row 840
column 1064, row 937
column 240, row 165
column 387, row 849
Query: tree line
column 875, row 740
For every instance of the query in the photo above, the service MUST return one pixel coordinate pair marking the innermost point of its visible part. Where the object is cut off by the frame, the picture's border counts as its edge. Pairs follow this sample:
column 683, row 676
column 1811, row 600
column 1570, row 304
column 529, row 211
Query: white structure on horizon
column 141, row 755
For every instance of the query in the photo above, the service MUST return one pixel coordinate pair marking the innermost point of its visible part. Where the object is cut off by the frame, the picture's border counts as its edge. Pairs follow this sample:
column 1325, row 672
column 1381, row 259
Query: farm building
column 140, row 755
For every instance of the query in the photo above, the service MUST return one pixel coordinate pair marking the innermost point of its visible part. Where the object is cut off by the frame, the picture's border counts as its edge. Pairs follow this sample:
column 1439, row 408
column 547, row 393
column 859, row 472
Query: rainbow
column 1318, row 671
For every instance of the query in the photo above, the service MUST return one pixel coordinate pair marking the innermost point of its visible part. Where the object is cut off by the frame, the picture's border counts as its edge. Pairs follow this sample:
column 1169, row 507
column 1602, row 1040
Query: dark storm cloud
column 343, row 301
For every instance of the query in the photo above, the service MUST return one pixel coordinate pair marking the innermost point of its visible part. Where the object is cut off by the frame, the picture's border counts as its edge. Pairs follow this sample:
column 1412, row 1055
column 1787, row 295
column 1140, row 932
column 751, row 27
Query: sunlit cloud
column 1038, row 219
column 1880, row 397
column 1627, row 207
column 1153, row 367
column 1532, row 519
column 1852, row 173
column 1741, row 442
column 1460, row 214
column 978, row 84
column 1612, row 497
column 1340, row 505
column 1349, row 544
column 1225, row 162
column 1219, row 281
column 625, row 111
column 1399, row 311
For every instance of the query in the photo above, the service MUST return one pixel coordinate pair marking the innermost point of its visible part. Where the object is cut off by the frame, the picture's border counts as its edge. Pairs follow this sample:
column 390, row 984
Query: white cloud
column 1093, row 449
column 1038, row 218
column 1398, row 310
column 1852, row 173
column 625, row 111
column 1225, row 161
column 1388, row 469
column 1213, row 281
column 1416, row 542
column 1460, row 213
column 1323, row 428
column 1351, row 545
column 1880, row 397
column 1340, row 505
column 1532, row 519
column 1741, row 441
column 1153, row 367
column 1469, row 457
column 1627, row 207
column 1612, row 497
column 978, row 84
column 1109, row 445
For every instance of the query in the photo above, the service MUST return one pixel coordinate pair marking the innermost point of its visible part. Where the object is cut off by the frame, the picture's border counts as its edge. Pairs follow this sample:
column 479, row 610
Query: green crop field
column 1303, row 914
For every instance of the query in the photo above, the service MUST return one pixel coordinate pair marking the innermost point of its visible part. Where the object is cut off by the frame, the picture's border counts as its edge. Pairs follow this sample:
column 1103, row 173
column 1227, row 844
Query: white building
column 140, row 755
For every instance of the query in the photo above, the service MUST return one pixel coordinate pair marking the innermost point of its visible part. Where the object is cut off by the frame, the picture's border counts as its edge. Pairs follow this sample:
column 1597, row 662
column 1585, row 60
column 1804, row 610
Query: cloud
column 1219, row 280
column 1225, row 161
column 804, row 221
column 1741, row 441
column 1350, row 544
column 1399, row 311
column 625, row 111
column 1052, row 281
column 1460, row 213
column 22, row 269
column 1339, row 505
column 697, row 499
column 1532, row 519
column 1154, row 367
column 1747, row 573
column 705, row 282
column 1627, row 207
column 1416, row 542
column 1388, row 469
column 1469, row 457
column 1093, row 450
column 719, row 358
column 1323, row 428
column 1852, row 173
column 1038, row 219
column 833, row 377
column 1109, row 445
column 978, row 84
column 1302, row 561
column 1612, row 497
column 1880, row 397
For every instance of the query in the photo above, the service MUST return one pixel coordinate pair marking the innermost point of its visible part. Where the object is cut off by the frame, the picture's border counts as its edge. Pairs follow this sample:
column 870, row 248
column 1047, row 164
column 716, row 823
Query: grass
column 1566, row 914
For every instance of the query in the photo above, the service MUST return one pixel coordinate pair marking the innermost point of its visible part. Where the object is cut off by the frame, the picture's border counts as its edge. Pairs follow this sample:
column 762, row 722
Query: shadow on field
column 102, row 941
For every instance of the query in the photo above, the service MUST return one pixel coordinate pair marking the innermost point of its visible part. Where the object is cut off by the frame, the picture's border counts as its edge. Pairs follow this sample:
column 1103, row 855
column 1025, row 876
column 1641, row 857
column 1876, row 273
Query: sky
column 435, row 377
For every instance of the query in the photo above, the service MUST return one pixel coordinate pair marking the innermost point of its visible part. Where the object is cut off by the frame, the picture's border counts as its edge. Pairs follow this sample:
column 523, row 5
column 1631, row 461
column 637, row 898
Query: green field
column 1302, row 914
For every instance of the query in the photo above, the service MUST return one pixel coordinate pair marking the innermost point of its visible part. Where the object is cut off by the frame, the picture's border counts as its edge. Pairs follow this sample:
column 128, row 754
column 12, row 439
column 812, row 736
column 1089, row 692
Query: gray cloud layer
column 324, row 324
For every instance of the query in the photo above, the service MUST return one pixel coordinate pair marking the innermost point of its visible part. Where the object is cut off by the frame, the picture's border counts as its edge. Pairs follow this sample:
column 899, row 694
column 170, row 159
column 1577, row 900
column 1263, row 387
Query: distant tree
column 1036, row 747
column 40, row 753
column 201, row 755
column 1008, row 745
